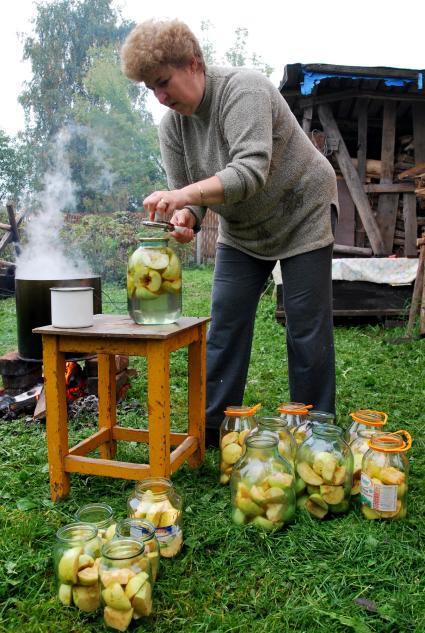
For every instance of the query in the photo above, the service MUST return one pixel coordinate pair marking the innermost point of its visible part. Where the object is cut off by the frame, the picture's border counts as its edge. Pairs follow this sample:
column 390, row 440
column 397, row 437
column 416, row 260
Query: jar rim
column 72, row 532
column 274, row 422
column 323, row 429
column 147, row 484
column 100, row 508
column 294, row 408
column 257, row 440
column 122, row 545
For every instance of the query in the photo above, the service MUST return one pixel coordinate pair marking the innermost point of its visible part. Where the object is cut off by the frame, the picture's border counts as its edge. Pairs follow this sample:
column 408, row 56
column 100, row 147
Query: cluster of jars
column 301, row 459
column 113, row 565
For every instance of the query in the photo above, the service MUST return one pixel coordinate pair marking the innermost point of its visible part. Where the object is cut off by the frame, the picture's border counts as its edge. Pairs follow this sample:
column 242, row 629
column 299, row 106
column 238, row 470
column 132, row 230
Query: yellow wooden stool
column 111, row 335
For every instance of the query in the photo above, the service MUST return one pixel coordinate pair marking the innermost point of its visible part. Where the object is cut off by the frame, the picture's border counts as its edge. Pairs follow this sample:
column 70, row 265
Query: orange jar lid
column 244, row 411
column 369, row 417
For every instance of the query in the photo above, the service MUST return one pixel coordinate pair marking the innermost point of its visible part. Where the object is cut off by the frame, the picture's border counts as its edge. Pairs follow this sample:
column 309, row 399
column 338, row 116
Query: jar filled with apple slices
column 125, row 583
column 76, row 560
column 384, row 476
column 278, row 427
column 262, row 485
column 154, row 283
column 324, row 466
column 238, row 422
column 157, row 501
column 294, row 414
column 364, row 420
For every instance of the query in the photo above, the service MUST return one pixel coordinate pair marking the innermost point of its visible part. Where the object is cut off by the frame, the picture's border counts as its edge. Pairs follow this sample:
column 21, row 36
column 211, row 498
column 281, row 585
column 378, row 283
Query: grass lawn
column 344, row 574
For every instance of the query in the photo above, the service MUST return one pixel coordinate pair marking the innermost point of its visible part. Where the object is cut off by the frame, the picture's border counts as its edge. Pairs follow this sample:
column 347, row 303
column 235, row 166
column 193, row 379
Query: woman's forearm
column 205, row 192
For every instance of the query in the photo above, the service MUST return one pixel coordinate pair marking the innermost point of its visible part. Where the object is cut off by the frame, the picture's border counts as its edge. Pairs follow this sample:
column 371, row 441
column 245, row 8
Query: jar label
column 378, row 496
column 166, row 533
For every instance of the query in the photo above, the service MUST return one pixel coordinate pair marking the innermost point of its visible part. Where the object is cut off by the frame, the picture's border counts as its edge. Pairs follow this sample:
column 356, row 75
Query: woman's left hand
column 165, row 203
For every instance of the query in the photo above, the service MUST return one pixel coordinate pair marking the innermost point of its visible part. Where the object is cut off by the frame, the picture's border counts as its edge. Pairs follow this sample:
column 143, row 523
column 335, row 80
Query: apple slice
column 119, row 620
column 142, row 601
column 114, row 596
column 68, row 565
column 65, row 595
column 87, row 599
column 135, row 584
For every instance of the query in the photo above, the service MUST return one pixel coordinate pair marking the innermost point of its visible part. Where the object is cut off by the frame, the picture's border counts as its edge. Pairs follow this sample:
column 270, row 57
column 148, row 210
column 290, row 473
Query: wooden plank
column 128, row 434
column 56, row 418
column 90, row 443
column 391, row 187
column 107, row 394
column 410, row 225
column 344, row 232
column 332, row 97
column 362, row 139
column 5, row 227
column 358, row 251
column 307, row 117
column 368, row 71
column 418, row 111
column 388, row 203
column 158, row 364
column 183, row 452
column 12, row 221
column 106, row 468
column 352, row 179
column 415, row 305
column 417, row 170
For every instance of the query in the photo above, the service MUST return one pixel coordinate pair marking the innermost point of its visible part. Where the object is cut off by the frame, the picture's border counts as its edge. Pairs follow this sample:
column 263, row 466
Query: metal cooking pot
column 33, row 309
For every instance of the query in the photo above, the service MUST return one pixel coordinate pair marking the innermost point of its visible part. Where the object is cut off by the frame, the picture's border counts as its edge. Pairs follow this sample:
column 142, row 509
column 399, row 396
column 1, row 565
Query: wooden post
column 352, row 179
column 410, row 225
column 106, row 390
column 362, row 139
column 418, row 300
column 158, row 362
column 388, row 202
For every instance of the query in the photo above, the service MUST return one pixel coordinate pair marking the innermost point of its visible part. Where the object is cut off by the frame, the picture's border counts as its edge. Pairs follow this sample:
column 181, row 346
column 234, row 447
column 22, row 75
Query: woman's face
column 180, row 89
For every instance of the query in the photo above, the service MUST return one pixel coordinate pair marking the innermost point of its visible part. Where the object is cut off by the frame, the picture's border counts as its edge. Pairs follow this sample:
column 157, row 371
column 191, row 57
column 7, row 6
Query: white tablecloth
column 395, row 271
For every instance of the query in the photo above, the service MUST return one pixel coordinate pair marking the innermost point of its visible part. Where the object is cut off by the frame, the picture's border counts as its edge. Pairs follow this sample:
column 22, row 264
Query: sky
column 361, row 33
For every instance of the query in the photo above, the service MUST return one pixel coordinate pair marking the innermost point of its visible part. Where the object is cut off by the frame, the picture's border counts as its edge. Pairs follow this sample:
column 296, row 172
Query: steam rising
column 44, row 256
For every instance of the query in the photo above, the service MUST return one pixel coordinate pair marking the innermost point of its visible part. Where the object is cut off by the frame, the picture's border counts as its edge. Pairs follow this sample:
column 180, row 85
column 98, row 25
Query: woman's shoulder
column 238, row 75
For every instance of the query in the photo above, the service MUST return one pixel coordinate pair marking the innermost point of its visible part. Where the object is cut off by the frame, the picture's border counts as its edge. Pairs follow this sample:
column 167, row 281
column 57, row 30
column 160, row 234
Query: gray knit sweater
column 277, row 187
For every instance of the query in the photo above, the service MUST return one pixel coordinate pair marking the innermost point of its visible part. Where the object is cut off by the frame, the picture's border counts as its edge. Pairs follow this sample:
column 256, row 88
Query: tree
column 65, row 30
column 12, row 167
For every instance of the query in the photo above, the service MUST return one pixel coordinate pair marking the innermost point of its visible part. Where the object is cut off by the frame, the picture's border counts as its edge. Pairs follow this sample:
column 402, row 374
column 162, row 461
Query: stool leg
column 107, row 394
column 196, row 394
column 56, row 417
column 158, row 363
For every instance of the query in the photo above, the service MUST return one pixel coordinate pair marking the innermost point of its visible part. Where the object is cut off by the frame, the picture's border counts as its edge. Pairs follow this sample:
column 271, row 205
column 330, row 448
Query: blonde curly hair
column 156, row 43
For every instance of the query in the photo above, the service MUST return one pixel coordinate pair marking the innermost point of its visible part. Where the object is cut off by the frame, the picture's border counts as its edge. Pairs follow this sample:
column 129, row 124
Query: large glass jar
column 154, row 283
column 278, row 427
column 295, row 415
column 385, row 470
column 125, row 581
column 76, row 560
column 157, row 501
column 324, row 466
column 262, row 485
column 101, row 515
column 141, row 530
column 359, row 447
column 365, row 419
column 238, row 422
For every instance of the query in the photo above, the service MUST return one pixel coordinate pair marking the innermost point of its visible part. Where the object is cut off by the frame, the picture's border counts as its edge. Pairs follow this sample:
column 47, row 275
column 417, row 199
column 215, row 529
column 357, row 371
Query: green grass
column 345, row 574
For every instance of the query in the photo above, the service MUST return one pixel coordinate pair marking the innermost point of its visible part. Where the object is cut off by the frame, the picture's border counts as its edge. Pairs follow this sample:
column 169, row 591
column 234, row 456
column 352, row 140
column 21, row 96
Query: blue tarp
column 311, row 79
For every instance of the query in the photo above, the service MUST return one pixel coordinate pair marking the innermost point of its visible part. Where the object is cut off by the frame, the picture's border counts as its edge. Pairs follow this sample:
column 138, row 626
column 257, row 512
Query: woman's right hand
column 185, row 220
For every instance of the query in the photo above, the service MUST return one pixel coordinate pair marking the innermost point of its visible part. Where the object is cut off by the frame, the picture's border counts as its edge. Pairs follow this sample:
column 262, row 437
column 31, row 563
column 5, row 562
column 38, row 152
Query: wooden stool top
column 119, row 326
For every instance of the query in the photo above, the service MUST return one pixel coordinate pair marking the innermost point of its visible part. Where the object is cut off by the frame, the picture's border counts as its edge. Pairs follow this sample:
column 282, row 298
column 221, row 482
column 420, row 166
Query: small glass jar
column 157, row 501
column 76, row 561
column 141, row 530
column 324, row 466
column 262, row 485
column 125, row 582
column 359, row 447
column 238, row 422
column 101, row 515
column 365, row 419
column 295, row 415
column 384, row 476
column 278, row 427
column 154, row 283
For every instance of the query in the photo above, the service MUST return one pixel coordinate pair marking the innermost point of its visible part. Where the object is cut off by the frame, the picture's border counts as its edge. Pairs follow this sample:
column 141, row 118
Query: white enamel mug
column 72, row 307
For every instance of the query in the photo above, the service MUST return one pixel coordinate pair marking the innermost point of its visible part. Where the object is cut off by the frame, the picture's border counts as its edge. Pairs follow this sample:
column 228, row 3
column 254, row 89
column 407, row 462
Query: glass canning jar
column 157, row 501
column 294, row 413
column 238, row 422
column 262, row 485
column 324, row 466
column 278, row 427
column 154, row 283
column 141, row 530
column 101, row 515
column 76, row 561
column 125, row 582
column 385, row 469
column 364, row 419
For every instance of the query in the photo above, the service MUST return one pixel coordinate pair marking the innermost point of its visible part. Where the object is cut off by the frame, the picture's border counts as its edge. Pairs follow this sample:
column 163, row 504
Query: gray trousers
column 239, row 280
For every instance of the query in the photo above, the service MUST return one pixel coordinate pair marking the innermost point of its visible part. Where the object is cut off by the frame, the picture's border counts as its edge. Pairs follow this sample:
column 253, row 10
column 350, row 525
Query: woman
column 230, row 142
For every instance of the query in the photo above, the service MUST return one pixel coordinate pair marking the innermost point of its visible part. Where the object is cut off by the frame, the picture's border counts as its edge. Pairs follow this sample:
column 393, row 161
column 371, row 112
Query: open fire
column 75, row 380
